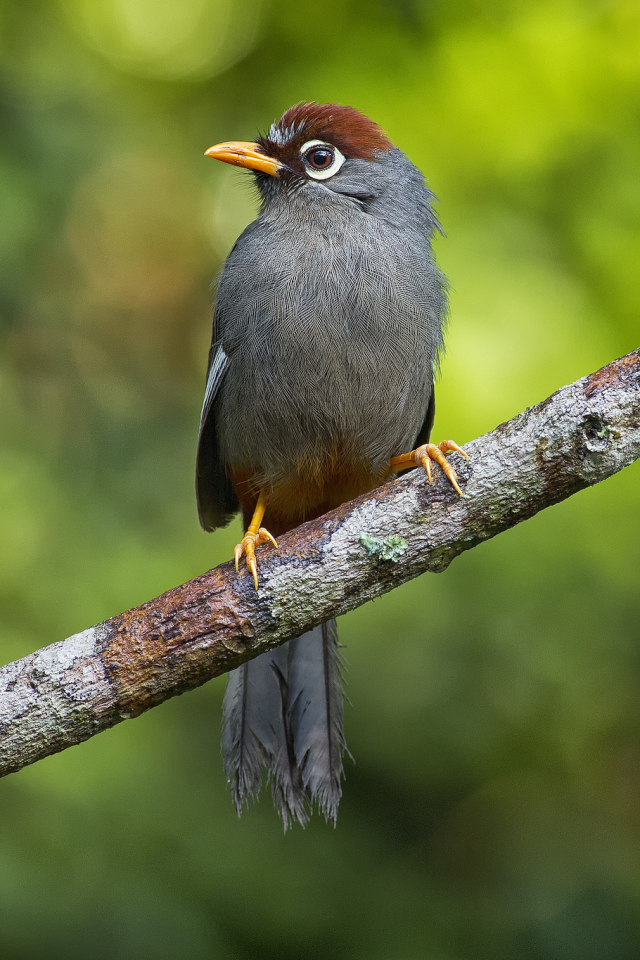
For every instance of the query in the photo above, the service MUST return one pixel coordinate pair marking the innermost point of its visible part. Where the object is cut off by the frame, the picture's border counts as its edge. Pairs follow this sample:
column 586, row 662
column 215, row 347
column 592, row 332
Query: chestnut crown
column 315, row 139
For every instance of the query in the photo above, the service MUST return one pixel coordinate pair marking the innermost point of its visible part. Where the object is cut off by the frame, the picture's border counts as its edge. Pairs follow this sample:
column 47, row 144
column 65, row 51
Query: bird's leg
column 254, row 536
column 425, row 454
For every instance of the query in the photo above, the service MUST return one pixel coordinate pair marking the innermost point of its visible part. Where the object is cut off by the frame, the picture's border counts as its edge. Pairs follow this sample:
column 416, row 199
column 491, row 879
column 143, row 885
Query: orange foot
column 254, row 536
column 427, row 453
column 248, row 546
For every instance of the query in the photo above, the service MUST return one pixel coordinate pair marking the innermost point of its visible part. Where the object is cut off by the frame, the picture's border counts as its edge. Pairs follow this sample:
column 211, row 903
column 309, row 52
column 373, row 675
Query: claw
column 425, row 460
column 264, row 536
column 252, row 566
column 248, row 546
column 445, row 445
column 430, row 453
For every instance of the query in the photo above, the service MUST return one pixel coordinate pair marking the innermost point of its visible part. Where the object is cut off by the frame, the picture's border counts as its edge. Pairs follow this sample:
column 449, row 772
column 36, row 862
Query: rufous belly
column 315, row 488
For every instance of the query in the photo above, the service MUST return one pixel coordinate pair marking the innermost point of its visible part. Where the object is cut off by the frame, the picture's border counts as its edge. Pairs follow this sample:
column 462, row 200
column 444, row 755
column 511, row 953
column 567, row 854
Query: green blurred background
column 494, row 807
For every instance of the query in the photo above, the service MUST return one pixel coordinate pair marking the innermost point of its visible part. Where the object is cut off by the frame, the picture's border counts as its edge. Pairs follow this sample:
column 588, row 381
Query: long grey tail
column 284, row 711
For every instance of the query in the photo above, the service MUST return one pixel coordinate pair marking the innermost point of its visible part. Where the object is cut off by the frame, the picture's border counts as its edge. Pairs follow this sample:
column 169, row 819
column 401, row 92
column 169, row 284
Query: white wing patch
column 217, row 367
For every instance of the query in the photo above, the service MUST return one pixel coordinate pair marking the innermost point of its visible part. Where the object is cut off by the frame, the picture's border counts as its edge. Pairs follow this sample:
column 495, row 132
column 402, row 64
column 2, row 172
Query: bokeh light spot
column 164, row 39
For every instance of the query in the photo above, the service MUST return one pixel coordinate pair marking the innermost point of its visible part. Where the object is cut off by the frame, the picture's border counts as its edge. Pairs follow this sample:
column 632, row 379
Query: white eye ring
column 331, row 170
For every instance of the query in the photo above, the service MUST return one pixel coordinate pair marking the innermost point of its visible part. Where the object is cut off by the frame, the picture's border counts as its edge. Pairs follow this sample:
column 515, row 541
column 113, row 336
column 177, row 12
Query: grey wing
column 217, row 503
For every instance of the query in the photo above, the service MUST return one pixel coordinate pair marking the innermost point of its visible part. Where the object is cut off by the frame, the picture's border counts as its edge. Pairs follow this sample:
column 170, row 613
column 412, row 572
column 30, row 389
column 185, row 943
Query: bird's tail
column 284, row 711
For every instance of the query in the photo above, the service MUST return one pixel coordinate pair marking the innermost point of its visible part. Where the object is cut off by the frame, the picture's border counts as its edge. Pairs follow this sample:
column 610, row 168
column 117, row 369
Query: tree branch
column 71, row 690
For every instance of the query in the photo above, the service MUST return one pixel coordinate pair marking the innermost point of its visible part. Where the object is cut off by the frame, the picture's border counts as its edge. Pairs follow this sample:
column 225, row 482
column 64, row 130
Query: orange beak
column 245, row 155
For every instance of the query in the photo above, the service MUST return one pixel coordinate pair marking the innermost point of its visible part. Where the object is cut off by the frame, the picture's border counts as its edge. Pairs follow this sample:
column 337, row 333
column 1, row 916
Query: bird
column 328, row 328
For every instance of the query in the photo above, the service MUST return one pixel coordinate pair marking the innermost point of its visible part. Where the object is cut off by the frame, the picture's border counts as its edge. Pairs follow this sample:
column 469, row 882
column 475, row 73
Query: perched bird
column 327, row 329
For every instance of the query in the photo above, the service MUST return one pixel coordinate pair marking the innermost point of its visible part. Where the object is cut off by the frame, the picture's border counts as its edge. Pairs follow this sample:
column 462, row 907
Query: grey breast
column 332, row 321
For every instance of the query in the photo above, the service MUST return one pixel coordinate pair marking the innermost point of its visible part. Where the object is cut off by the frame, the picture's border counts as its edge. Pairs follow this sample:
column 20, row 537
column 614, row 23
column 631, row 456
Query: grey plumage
column 327, row 329
column 315, row 707
column 284, row 711
column 333, row 302
column 254, row 733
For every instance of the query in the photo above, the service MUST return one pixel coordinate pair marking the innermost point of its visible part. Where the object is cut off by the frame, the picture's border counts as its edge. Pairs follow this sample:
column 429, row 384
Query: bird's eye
column 321, row 160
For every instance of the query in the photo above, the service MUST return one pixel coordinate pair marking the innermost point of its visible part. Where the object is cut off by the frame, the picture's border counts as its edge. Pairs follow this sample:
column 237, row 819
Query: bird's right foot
column 248, row 546
column 254, row 537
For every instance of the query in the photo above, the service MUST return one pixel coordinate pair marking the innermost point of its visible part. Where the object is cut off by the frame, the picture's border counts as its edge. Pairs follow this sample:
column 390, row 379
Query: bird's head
column 314, row 148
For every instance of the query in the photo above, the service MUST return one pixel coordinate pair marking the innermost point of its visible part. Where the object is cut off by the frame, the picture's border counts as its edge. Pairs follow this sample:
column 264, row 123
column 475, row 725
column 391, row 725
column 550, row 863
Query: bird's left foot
column 428, row 453
column 248, row 546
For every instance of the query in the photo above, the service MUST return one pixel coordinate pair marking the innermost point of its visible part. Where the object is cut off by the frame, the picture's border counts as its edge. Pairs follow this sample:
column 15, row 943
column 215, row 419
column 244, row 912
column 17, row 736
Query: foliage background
column 494, row 809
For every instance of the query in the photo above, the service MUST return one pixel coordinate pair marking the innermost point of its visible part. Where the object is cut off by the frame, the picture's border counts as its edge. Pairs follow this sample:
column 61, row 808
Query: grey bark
column 71, row 690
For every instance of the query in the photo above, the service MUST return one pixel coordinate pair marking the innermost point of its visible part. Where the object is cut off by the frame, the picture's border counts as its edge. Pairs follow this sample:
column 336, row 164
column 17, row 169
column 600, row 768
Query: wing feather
column 217, row 503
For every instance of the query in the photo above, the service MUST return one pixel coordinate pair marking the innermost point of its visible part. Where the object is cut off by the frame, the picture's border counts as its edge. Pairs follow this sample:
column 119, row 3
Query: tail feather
column 253, row 735
column 316, row 715
column 284, row 711
column 286, row 784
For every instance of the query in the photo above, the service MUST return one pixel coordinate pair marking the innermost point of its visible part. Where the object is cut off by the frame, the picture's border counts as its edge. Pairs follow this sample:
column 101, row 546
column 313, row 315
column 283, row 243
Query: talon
column 445, row 445
column 265, row 537
column 252, row 566
column 452, row 476
column 248, row 546
column 428, row 453
column 254, row 537
column 436, row 453
column 425, row 460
